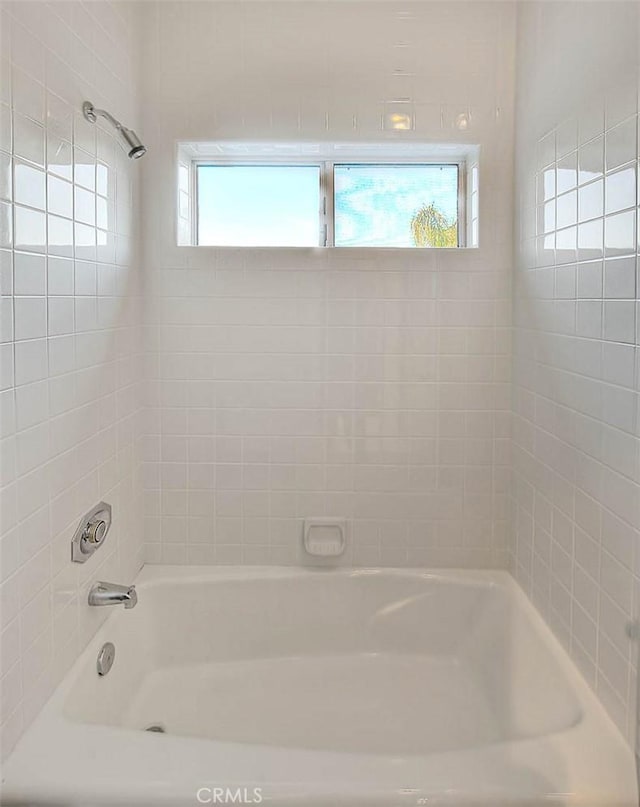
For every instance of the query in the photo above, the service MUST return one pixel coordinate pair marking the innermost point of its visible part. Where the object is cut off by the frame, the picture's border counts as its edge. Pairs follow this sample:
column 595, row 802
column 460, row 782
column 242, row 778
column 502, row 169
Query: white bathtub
column 376, row 687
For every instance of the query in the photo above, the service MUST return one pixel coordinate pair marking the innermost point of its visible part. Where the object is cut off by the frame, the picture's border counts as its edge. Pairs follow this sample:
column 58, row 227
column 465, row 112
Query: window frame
column 326, row 211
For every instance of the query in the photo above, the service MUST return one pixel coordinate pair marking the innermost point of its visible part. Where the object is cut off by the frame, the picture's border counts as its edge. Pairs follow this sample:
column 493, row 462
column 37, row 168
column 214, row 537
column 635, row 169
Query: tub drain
column 158, row 728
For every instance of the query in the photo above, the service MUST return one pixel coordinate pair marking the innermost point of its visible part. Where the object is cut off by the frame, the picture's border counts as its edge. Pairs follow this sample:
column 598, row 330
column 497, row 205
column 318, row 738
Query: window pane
column 259, row 205
column 396, row 205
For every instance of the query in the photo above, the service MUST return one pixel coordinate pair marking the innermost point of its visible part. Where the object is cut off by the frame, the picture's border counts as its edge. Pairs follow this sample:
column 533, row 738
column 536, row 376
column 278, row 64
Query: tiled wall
column 288, row 383
column 70, row 354
column 576, row 370
column 285, row 383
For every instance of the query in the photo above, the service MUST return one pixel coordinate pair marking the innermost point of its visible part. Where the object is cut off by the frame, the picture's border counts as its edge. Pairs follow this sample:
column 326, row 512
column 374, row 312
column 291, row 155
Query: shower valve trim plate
column 91, row 532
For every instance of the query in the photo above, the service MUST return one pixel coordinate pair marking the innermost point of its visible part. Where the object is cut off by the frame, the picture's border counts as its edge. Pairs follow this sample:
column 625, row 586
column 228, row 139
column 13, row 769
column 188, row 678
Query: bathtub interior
column 355, row 663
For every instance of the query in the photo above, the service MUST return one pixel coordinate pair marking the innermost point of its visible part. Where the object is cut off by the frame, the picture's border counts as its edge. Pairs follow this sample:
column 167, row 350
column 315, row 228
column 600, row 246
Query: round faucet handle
column 91, row 533
column 95, row 532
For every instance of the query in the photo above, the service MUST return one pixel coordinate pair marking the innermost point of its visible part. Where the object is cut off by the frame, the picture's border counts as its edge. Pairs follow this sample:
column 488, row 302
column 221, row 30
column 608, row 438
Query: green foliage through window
column 430, row 227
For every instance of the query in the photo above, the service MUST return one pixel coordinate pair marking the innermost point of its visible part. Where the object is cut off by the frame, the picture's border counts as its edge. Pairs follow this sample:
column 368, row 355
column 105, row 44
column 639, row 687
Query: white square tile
column 30, row 229
column 29, row 185
column 60, row 316
column 620, row 233
column 591, row 201
column 31, row 404
column 59, row 276
column 28, row 96
column 59, row 197
column 29, row 274
column 566, row 210
column 30, row 317
column 620, row 278
column 28, row 137
column 6, row 177
column 31, row 361
column 620, row 190
column 621, row 144
column 591, row 161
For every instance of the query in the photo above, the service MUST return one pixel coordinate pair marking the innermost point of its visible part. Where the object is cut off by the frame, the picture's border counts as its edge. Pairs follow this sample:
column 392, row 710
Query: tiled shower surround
column 70, row 359
column 340, row 385
column 368, row 384
column 576, row 370
column 374, row 385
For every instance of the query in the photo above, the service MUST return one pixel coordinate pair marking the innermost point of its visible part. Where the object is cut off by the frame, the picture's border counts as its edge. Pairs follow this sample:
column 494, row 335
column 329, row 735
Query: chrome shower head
column 136, row 148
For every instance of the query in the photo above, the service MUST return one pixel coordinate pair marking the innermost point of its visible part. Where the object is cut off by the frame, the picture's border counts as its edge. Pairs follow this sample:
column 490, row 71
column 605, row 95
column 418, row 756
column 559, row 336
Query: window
column 307, row 198
column 258, row 205
column 396, row 205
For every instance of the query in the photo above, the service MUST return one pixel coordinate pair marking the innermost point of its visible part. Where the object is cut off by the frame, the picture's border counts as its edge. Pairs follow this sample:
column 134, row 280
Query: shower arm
column 92, row 114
